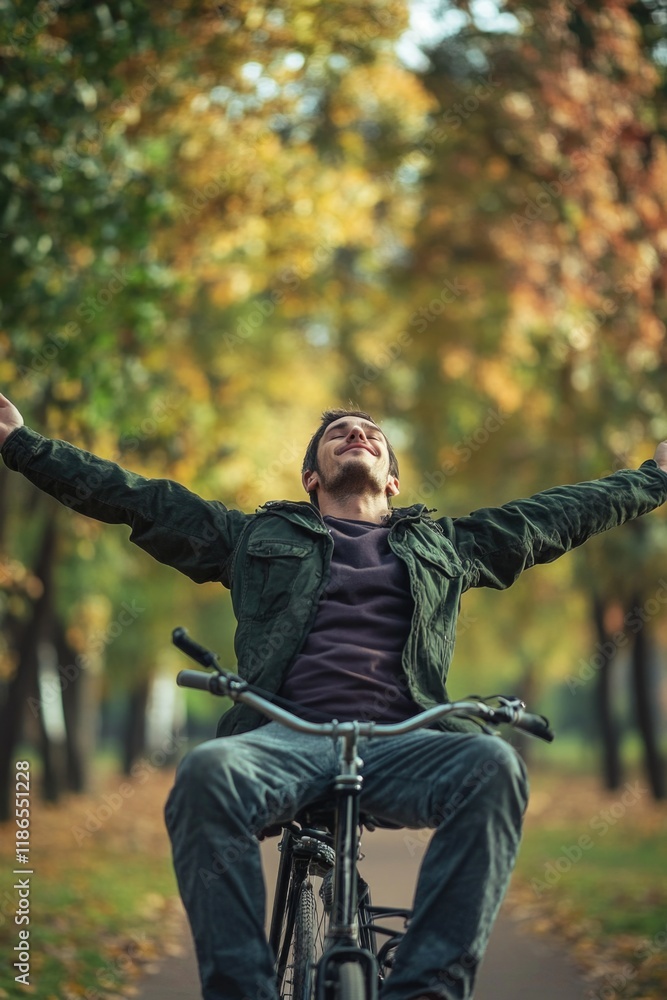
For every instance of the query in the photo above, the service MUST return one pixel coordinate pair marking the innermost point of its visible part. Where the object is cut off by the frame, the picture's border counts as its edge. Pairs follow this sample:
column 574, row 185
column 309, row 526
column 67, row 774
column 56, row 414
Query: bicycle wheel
column 304, row 942
column 311, row 918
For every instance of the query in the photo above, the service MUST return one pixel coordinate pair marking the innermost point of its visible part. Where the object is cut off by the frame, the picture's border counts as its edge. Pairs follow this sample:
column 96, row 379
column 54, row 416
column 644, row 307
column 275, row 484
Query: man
column 348, row 607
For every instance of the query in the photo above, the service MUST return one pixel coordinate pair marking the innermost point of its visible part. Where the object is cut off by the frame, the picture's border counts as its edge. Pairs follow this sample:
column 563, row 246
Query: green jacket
column 276, row 561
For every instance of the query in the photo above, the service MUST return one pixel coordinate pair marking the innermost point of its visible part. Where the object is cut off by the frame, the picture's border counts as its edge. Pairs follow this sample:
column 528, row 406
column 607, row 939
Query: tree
column 142, row 326
column 543, row 207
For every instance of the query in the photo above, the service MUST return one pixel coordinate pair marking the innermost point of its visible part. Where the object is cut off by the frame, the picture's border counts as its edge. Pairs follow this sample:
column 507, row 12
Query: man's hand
column 10, row 419
column 661, row 455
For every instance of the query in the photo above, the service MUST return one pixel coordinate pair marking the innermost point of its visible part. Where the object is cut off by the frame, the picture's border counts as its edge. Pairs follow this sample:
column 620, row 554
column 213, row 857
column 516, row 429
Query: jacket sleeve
column 501, row 542
column 172, row 524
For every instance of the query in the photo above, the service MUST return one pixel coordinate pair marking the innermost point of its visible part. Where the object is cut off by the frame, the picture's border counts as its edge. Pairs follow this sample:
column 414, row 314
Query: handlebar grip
column 182, row 640
column 536, row 725
column 195, row 679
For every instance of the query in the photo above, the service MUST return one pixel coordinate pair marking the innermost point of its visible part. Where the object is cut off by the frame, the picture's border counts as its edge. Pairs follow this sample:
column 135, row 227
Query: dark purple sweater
column 350, row 664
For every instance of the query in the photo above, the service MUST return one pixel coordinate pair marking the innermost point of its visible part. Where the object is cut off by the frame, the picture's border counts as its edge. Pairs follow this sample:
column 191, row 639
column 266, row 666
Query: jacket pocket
column 271, row 569
column 441, row 583
column 442, row 557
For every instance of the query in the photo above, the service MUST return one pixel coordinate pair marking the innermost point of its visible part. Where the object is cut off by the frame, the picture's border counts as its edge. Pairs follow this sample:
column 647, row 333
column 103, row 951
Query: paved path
column 517, row 966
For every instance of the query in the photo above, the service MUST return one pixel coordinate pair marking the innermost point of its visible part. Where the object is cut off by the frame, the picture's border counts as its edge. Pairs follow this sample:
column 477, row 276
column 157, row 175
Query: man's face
column 353, row 458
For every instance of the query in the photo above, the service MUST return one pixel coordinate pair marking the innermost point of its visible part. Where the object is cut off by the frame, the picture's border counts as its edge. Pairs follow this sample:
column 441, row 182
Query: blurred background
column 217, row 220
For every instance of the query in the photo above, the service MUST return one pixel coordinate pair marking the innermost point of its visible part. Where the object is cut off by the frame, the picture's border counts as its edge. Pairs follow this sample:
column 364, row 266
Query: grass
column 612, row 881
column 103, row 901
column 591, row 872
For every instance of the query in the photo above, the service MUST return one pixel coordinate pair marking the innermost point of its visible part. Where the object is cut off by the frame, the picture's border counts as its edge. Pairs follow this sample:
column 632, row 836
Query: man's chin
column 353, row 477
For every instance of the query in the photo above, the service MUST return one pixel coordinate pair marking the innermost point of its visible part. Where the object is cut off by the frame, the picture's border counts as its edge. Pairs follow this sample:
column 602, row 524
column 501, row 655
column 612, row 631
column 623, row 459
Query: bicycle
column 324, row 928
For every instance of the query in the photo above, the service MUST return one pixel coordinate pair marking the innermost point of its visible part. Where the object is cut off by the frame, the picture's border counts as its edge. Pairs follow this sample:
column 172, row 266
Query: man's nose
column 356, row 432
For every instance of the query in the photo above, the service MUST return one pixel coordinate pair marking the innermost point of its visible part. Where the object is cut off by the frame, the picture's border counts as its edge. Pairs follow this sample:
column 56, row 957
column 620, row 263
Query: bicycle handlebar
column 510, row 711
column 536, row 725
column 197, row 679
column 199, row 653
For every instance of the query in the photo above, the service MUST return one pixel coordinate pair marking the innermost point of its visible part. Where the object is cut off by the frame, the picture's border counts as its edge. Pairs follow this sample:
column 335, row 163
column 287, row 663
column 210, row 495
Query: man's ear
column 310, row 481
column 392, row 487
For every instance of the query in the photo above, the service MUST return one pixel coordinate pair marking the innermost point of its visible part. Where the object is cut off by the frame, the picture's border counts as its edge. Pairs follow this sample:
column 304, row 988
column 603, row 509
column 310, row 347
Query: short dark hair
column 310, row 463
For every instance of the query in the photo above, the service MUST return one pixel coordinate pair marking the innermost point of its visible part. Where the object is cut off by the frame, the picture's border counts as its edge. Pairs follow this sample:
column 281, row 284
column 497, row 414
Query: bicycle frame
column 342, row 937
column 342, row 934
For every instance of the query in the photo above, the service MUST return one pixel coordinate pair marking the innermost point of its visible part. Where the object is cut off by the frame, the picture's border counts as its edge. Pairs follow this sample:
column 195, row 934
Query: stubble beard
column 353, row 479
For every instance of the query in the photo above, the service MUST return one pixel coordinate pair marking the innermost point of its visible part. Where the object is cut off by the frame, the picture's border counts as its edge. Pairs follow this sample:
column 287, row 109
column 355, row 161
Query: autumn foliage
column 220, row 220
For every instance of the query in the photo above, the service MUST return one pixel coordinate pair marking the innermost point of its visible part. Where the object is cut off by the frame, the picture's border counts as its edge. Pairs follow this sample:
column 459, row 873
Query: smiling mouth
column 361, row 447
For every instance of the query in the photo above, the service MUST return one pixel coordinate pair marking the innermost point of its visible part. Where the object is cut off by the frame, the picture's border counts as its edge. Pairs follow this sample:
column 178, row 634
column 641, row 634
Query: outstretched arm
column 10, row 419
column 499, row 543
column 175, row 526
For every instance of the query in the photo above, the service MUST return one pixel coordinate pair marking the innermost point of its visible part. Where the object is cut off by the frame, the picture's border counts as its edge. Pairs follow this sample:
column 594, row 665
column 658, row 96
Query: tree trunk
column 135, row 730
column 72, row 680
column 11, row 717
column 609, row 729
column 647, row 709
column 23, row 690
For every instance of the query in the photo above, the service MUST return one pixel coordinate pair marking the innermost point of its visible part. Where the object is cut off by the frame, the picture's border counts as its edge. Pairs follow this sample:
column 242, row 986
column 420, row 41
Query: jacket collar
column 414, row 512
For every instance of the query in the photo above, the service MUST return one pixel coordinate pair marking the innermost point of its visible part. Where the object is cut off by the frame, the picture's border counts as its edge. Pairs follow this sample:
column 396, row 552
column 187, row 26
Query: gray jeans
column 470, row 788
